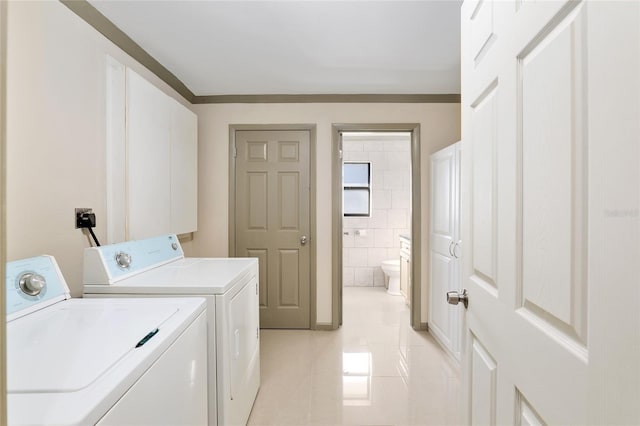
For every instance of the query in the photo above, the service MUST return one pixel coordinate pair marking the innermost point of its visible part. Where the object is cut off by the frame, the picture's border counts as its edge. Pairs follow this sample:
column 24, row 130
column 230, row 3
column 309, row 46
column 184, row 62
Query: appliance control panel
column 33, row 283
column 122, row 260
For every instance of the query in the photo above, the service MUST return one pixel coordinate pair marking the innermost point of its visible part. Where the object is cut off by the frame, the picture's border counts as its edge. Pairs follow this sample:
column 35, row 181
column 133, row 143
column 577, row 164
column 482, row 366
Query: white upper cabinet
column 152, row 160
column 184, row 169
column 149, row 141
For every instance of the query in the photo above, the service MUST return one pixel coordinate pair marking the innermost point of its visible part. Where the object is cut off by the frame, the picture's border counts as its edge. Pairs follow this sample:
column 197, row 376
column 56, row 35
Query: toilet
column 391, row 269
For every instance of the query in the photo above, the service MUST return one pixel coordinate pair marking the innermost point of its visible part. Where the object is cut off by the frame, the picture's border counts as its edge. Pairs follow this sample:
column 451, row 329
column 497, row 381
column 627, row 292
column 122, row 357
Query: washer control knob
column 123, row 259
column 32, row 283
column 174, row 246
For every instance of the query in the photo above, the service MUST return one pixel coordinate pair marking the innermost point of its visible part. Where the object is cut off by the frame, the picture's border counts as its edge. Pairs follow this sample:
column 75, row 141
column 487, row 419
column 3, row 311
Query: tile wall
column 370, row 240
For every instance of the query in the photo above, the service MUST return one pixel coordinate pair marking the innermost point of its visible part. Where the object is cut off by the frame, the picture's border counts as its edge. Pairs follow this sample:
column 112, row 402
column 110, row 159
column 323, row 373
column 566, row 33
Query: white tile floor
column 375, row 370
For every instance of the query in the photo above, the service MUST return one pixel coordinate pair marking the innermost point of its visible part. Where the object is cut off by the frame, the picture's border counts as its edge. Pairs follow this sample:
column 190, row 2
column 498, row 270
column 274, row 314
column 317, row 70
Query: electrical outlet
column 79, row 216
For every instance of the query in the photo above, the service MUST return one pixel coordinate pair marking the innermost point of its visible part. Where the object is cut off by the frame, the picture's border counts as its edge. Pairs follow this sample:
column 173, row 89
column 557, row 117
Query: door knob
column 303, row 240
column 455, row 297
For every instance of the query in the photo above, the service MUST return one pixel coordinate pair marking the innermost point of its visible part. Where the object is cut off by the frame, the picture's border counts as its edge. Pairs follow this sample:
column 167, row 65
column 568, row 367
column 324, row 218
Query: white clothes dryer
column 157, row 267
column 106, row 362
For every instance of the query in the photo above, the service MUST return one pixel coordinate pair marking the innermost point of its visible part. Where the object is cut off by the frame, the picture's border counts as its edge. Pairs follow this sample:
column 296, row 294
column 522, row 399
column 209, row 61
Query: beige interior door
column 272, row 220
column 550, row 106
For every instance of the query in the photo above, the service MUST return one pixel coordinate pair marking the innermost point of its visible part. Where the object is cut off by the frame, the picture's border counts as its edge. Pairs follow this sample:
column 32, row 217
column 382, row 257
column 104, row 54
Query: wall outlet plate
column 79, row 212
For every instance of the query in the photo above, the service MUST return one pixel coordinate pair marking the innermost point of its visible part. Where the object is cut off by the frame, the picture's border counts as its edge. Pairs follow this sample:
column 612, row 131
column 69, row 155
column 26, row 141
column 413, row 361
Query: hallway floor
column 374, row 370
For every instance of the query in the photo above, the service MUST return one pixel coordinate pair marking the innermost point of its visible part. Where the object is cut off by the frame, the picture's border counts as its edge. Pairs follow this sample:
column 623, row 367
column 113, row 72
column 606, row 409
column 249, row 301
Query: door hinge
column 258, row 333
column 256, row 287
column 235, row 151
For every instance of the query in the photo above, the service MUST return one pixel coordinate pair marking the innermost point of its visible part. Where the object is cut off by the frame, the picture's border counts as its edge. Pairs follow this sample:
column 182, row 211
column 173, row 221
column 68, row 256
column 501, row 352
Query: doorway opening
column 376, row 218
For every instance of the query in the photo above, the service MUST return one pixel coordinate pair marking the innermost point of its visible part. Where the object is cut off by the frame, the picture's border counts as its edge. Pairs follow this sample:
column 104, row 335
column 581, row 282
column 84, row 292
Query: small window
column 356, row 185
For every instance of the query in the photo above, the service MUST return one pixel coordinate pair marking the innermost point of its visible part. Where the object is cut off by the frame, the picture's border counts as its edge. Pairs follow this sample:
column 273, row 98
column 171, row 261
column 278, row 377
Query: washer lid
column 68, row 346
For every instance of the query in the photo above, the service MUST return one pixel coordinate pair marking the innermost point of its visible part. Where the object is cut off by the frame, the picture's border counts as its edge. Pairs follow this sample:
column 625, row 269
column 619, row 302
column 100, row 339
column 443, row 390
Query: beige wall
column 440, row 126
column 56, row 143
column 56, row 131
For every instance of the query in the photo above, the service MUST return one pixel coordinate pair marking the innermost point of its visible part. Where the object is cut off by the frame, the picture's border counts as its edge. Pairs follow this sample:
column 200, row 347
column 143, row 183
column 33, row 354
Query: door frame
column 311, row 128
column 3, row 200
column 416, row 211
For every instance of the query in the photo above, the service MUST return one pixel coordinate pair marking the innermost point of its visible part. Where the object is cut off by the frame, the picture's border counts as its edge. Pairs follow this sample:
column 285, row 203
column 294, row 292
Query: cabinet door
column 184, row 169
column 116, row 151
column 405, row 279
column 148, row 159
column 444, row 246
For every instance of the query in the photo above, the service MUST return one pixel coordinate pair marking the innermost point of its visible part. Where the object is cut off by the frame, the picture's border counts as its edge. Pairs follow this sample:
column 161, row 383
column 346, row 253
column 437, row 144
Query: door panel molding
column 553, row 286
column 416, row 226
column 484, row 370
column 483, row 253
column 525, row 413
column 288, row 210
column 286, row 151
column 288, row 295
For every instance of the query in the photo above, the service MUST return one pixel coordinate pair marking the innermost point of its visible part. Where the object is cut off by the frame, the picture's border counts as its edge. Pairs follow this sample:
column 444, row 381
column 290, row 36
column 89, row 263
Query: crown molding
column 335, row 98
column 104, row 26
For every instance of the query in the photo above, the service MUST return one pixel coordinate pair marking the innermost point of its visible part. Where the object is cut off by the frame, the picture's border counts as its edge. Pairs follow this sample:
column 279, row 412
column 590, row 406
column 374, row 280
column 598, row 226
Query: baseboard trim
column 324, row 327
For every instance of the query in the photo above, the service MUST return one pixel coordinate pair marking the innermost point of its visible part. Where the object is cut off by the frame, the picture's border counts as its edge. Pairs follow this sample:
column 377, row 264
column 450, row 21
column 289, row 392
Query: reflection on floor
column 375, row 370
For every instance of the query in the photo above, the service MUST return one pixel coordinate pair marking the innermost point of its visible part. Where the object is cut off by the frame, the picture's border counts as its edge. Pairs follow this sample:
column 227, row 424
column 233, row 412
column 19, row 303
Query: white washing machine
column 100, row 361
column 157, row 267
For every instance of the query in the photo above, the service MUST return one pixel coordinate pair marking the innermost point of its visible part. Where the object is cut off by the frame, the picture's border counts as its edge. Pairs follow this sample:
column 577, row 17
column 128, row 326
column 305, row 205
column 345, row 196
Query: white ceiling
column 298, row 47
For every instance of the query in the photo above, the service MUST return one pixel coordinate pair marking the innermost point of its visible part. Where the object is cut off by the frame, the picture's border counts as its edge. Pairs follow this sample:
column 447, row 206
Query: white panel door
column 445, row 246
column 551, row 187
